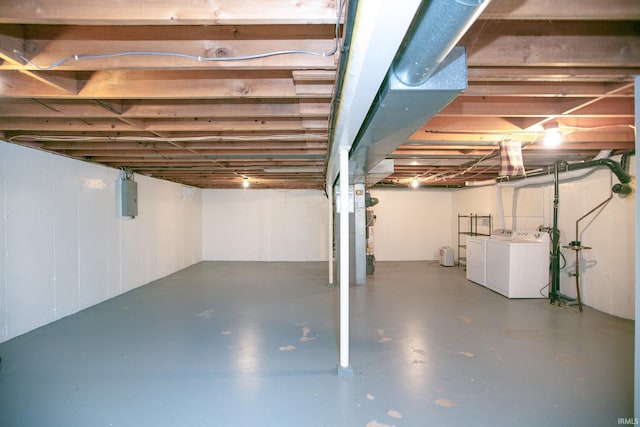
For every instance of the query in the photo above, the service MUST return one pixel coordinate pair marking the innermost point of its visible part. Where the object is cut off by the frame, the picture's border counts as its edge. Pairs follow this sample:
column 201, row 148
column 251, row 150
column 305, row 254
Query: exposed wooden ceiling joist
column 212, row 123
column 151, row 12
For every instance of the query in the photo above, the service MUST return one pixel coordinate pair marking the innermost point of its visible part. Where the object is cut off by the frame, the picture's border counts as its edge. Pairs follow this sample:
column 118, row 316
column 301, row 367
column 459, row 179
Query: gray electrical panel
column 129, row 197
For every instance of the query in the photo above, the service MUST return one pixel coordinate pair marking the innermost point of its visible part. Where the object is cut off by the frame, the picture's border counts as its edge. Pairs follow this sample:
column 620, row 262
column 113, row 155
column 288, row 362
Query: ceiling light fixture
column 415, row 183
column 553, row 135
column 245, row 182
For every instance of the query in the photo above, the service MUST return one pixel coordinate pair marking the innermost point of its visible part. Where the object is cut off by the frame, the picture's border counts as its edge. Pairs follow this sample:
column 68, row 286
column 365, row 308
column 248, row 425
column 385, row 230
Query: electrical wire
column 542, row 288
column 198, row 58
column 126, row 174
column 248, row 138
column 61, row 61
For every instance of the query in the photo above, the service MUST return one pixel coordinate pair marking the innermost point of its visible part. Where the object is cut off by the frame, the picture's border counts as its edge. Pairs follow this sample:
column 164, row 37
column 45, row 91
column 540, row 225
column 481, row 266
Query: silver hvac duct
column 437, row 28
column 426, row 75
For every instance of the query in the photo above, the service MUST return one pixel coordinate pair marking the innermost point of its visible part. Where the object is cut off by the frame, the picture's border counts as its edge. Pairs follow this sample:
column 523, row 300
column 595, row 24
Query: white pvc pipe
column 541, row 179
column 500, row 208
column 330, row 196
column 545, row 179
column 482, row 183
column 344, row 257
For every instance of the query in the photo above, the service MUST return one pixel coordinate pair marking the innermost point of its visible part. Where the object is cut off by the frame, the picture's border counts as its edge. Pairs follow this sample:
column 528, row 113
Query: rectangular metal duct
column 400, row 109
column 380, row 171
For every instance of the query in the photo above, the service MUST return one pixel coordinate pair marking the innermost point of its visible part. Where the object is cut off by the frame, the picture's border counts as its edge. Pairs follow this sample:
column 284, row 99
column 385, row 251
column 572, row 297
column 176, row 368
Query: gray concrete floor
column 255, row 344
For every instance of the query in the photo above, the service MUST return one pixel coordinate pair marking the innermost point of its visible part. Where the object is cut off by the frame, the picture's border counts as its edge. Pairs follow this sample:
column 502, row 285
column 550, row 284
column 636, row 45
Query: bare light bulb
column 415, row 183
column 553, row 135
column 245, row 183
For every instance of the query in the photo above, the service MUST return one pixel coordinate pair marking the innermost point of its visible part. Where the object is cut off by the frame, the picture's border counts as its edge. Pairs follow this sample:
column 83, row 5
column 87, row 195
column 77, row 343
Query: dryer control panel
column 502, row 234
column 531, row 236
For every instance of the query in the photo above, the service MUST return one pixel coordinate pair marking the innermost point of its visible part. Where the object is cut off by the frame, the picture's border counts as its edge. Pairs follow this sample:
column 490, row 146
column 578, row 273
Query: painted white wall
column 608, row 274
column 476, row 201
column 265, row 225
column 411, row 225
column 64, row 246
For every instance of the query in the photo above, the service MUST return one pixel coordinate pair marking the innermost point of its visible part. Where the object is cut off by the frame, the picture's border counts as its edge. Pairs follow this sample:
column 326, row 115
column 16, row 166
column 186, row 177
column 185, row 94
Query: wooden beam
column 113, row 107
column 314, row 90
column 12, row 39
column 267, row 162
column 227, row 109
column 107, row 85
column 313, row 76
column 124, row 124
column 560, row 51
column 568, row 145
column 42, row 35
column 169, row 154
column 142, row 109
column 168, row 51
column 544, row 89
column 184, row 137
column 613, row 10
column 601, row 106
column 195, row 146
column 597, row 73
column 152, row 12
column 535, row 107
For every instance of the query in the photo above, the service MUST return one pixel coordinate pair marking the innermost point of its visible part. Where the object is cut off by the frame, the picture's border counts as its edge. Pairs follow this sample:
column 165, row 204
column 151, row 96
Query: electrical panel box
column 129, row 197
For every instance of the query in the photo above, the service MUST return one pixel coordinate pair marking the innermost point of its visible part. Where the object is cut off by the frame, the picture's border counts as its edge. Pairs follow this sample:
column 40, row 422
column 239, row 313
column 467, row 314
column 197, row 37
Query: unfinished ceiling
column 210, row 93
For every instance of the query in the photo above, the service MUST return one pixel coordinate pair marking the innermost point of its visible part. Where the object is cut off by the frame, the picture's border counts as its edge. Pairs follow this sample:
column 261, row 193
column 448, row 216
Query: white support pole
column 344, row 261
column 330, row 196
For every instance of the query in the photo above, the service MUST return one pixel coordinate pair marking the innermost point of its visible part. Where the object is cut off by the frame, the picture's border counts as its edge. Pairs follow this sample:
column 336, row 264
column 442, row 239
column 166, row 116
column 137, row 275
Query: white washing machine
column 477, row 259
column 519, row 268
column 477, row 254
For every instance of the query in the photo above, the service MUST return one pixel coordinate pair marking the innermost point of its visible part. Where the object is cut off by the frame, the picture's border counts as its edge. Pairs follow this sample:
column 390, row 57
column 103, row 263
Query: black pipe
column 615, row 167
column 620, row 170
column 577, row 247
column 622, row 189
column 624, row 162
column 555, row 238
